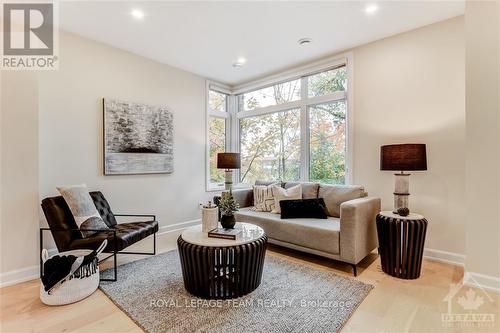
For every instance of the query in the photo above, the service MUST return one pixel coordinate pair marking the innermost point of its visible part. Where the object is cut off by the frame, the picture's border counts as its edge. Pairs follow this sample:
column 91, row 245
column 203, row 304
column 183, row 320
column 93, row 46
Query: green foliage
column 327, row 82
column 227, row 204
column 216, row 101
column 327, row 143
column 270, row 146
column 217, row 144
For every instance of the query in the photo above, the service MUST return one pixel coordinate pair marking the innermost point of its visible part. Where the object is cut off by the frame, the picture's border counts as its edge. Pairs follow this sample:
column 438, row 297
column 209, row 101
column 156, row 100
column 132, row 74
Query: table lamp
column 228, row 161
column 402, row 157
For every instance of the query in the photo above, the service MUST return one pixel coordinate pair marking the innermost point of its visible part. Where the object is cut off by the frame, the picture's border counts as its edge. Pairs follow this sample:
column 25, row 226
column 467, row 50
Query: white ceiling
column 206, row 38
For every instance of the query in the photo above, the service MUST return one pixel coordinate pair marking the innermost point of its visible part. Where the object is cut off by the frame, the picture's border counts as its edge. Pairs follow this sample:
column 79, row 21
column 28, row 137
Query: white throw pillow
column 279, row 193
column 83, row 208
column 263, row 199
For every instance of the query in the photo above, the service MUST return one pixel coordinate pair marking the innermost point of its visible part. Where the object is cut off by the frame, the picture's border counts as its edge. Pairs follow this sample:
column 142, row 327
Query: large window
column 296, row 129
column 292, row 128
column 217, row 139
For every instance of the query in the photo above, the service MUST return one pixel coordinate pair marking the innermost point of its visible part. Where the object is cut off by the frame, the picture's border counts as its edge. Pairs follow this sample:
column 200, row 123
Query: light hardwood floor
column 394, row 305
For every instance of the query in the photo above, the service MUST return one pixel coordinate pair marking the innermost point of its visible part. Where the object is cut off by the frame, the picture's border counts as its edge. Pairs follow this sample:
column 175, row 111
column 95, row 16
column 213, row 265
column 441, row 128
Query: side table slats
column 222, row 272
column 401, row 245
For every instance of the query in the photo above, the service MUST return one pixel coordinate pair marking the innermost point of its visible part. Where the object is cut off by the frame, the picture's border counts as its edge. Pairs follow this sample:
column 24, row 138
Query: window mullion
column 304, row 133
column 233, row 133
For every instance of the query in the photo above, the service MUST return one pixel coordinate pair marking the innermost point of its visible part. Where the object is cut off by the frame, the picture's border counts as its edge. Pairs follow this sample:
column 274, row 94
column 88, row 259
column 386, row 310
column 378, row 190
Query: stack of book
column 233, row 234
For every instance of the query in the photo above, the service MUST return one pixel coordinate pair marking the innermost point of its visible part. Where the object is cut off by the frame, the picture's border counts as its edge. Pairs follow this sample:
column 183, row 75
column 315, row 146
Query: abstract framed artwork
column 138, row 138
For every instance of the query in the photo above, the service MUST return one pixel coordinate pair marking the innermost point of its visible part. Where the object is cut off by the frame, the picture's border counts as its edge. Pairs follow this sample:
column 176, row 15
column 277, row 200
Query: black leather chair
column 67, row 236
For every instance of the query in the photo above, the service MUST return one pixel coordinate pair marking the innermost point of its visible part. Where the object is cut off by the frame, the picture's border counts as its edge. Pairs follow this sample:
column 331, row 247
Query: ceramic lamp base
column 401, row 191
column 228, row 179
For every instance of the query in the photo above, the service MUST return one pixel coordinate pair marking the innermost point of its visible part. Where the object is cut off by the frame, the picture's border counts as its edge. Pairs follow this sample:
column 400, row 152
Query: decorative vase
column 227, row 221
column 209, row 217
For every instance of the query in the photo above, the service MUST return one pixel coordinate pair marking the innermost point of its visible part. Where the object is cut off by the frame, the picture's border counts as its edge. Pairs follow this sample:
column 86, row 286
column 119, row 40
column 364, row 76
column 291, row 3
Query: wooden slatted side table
column 401, row 243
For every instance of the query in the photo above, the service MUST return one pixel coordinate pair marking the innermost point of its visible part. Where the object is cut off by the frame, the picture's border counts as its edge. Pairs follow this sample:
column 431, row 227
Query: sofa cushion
column 280, row 193
column 334, row 195
column 82, row 207
column 303, row 208
column 317, row 234
column 263, row 199
column 309, row 189
column 126, row 235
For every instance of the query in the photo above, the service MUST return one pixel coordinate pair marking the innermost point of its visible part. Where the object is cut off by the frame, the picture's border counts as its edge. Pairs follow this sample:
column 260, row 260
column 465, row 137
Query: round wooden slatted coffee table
column 401, row 243
column 215, row 268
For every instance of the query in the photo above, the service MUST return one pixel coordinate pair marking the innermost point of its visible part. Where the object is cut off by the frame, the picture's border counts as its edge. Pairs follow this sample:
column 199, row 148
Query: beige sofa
column 348, row 235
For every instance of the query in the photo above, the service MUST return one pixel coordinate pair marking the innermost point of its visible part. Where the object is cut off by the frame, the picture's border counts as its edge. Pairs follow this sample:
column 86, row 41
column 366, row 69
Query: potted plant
column 227, row 206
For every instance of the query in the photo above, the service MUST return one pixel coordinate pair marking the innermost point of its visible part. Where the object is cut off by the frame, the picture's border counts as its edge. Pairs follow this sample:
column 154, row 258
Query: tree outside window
column 327, row 142
column 217, row 144
column 217, row 104
column 270, row 147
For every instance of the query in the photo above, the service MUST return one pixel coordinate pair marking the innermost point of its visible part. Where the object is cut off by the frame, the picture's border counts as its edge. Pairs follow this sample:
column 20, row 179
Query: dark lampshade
column 403, row 157
column 228, row 161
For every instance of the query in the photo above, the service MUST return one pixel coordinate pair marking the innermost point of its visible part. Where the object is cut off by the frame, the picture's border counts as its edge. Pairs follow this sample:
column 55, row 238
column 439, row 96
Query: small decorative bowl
column 403, row 211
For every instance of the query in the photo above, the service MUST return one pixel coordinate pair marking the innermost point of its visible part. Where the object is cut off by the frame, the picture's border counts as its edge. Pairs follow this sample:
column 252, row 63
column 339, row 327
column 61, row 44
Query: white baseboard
column 486, row 282
column 30, row 273
column 19, row 275
column 445, row 257
column 178, row 226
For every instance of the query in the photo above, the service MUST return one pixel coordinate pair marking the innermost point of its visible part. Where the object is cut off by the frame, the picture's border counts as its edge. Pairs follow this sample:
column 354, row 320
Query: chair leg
column 354, row 270
column 114, row 258
column 115, row 255
column 40, row 253
column 115, row 268
column 154, row 243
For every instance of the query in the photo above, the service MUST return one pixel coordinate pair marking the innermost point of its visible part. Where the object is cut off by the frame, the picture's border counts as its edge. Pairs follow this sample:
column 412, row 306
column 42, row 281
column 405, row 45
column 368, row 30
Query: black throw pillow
column 303, row 208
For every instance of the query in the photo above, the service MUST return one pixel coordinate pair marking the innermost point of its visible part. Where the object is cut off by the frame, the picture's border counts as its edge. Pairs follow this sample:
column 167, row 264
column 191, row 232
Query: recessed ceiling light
column 137, row 14
column 371, row 9
column 304, row 41
column 239, row 62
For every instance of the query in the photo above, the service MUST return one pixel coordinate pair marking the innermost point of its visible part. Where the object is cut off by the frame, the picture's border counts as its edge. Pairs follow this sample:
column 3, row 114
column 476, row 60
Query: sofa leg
column 354, row 270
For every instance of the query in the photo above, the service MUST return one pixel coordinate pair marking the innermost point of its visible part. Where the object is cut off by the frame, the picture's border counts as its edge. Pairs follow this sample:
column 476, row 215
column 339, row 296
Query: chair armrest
column 77, row 229
column 137, row 215
column 243, row 197
column 107, row 231
column 358, row 231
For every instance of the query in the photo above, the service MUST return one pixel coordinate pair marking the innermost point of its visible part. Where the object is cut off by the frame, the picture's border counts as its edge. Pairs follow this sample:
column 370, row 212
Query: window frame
column 233, row 113
column 348, row 180
column 304, row 104
column 213, row 86
column 238, row 173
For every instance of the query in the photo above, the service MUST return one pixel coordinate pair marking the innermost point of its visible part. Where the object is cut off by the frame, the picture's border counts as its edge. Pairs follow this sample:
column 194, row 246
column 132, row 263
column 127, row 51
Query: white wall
column 19, row 174
column 71, row 128
column 410, row 88
column 482, row 22
column 52, row 135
